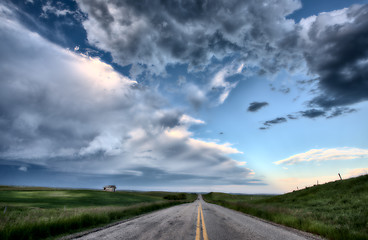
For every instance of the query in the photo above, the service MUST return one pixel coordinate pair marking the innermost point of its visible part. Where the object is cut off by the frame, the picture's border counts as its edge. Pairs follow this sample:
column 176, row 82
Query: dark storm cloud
column 335, row 47
column 269, row 123
column 313, row 113
column 157, row 33
column 341, row 111
column 255, row 106
column 292, row 117
column 310, row 113
column 337, row 51
column 275, row 121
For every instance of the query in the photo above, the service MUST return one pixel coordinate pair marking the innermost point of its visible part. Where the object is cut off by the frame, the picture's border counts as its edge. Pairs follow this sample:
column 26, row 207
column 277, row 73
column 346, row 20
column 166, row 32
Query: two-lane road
column 196, row 221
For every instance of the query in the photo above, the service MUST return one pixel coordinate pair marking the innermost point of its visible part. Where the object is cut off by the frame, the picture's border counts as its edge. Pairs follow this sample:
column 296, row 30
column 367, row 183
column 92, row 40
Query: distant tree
column 180, row 196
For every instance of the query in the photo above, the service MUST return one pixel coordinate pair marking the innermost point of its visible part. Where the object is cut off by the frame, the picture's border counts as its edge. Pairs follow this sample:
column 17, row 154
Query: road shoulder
column 286, row 228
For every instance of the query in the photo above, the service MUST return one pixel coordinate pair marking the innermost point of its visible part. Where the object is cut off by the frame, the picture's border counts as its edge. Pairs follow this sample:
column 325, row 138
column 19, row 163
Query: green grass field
column 34, row 213
column 335, row 210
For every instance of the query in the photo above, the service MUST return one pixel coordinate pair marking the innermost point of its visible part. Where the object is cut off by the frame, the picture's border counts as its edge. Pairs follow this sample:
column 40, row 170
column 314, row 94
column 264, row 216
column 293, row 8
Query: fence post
column 340, row 176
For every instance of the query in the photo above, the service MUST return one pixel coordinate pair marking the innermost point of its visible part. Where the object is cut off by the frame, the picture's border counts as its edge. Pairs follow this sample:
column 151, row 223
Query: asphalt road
column 196, row 221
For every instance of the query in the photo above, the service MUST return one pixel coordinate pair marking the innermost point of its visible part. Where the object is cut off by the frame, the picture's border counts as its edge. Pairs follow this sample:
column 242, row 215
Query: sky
column 234, row 96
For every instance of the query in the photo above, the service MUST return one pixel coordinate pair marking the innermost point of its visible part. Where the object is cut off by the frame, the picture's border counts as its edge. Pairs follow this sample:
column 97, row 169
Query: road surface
column 196, row 221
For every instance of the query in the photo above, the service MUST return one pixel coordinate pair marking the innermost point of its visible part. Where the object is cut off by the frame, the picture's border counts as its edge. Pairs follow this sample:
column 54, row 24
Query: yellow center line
column 198, row 233
column 199, row 217
column 205, row 236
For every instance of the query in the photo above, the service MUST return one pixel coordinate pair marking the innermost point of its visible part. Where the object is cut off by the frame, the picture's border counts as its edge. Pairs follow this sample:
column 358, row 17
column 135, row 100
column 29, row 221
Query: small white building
column 110, row 188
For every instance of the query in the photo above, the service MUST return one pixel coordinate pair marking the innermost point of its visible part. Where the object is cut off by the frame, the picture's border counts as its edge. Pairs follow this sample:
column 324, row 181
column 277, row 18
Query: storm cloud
column 336, row 49
column 312, row 113
column 269, row 123
column 332, row 45
column 341, row 111
column 255, row 106
column 158, row 33
column 71, row 113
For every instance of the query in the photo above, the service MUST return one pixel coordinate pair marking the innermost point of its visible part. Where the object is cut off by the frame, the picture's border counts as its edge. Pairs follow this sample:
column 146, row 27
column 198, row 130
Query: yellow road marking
column 205, row 236
column 199, row 217
column 198, row 233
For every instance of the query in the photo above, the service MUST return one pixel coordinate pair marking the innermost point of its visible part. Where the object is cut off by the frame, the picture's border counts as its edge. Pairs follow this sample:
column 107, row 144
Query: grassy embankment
column 36, row 213
column 335, row 210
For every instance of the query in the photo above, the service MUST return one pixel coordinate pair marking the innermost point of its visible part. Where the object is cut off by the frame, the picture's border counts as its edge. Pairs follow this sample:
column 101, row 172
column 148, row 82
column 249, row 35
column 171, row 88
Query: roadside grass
column 335, row 210
column 35, row 213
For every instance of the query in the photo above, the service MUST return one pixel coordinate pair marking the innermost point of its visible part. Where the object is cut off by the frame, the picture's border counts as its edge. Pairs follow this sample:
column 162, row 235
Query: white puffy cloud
column 185, row 119
column 325, row 154
column 23, row 168
column 48, row 8
column 219, row 83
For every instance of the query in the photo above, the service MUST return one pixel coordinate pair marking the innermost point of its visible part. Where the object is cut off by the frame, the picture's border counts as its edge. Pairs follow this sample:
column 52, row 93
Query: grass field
column 335, row 210
column 34, row 213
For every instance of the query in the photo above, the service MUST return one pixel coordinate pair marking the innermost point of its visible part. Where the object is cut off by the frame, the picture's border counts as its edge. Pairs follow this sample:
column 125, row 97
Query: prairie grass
column 335, row 210
column 58, row 198
column 45, row 213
